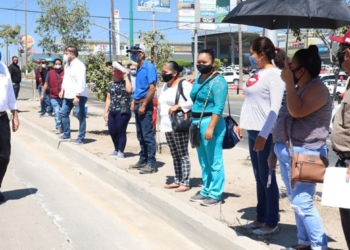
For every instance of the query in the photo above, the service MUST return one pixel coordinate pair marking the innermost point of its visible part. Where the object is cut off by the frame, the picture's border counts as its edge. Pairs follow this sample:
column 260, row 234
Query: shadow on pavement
column 18, row 194
column 87, row 141
column 227, row 195
column 98, row 132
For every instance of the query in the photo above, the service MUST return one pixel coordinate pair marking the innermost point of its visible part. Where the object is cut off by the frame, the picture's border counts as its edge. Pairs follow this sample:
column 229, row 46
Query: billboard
column 186, row 13
column 30, row 41
column 153, row 5
column 207, row 13
column 222, row 9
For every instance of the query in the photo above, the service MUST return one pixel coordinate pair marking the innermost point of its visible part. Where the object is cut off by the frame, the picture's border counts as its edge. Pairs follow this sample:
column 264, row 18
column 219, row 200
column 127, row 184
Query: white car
column 151, row 3
column 231, row 77
column 335, row 109
column 330, row 85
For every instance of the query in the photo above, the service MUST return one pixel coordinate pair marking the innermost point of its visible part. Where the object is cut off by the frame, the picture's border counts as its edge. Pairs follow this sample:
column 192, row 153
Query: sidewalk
column 239, row 198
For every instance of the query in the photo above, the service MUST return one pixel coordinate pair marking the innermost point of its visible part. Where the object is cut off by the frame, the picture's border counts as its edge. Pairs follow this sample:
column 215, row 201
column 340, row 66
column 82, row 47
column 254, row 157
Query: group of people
column 283, row 98
column 61, row 90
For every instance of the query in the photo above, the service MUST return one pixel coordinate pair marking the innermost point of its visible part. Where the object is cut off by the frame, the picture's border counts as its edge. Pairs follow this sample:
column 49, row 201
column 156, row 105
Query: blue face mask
column 253, row 62
column 135, row 57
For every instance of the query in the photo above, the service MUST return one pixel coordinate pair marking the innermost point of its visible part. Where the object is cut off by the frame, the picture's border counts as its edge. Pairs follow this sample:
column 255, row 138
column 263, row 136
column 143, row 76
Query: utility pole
column 110, row 40
column 131, row 23
column 26, row 33
column 240, row 54
column 114, row 47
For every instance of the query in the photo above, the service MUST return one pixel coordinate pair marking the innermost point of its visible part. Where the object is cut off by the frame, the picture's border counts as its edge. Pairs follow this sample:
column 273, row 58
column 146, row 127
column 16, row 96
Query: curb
column 202, row 229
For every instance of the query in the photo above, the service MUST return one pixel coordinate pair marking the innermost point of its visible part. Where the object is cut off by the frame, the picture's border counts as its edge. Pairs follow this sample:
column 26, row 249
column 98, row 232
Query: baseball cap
column 137, row 47
column 344, row 39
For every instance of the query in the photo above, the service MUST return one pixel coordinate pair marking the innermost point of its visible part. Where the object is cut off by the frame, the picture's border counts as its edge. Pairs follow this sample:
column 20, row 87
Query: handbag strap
column 179, row 92
column 207, row 80
column 205, row 104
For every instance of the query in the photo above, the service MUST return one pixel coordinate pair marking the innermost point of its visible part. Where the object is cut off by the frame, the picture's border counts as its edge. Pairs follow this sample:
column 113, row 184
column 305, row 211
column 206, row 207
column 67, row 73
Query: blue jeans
column 45, row 104
column 56, row 104
column 211, row 160
column 80, row 115
column 268, row 197
column 308, row 220
column 117, row 125
column 145, row 134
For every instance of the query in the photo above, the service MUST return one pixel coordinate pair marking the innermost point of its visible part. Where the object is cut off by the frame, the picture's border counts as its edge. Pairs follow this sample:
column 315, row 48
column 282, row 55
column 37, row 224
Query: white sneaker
column 120, row 155
column 113, row 154
column 266, row 232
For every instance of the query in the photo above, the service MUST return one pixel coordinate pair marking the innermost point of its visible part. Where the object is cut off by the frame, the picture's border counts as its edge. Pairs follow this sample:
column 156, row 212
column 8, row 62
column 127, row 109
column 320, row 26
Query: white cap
column 118, row 66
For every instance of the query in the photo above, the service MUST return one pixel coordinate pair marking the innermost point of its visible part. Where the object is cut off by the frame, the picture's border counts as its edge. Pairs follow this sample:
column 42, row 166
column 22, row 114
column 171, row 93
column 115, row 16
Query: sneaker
column 51, row 114
column 2, row 197
column 64, row 138
column 198, row 197
column 138, row 165
column 148, row 169
column 266, row 232
column 120, row 155
column 254, row 226
column 42, row 114
column 113, row 154
column 78, row 142
column 209, row 202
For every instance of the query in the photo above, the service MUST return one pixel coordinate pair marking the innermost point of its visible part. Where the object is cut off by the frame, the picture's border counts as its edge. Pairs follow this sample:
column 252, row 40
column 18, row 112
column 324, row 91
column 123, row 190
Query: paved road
column 235, row 106
column 56, row 204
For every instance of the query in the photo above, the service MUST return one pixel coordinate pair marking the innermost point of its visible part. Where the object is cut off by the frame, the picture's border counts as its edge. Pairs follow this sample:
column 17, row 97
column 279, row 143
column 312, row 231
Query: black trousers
column 5, row 145
column 345, row 222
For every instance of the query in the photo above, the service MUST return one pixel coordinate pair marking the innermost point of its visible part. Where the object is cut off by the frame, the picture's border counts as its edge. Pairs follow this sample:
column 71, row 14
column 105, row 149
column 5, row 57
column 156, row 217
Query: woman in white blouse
column 177, row 141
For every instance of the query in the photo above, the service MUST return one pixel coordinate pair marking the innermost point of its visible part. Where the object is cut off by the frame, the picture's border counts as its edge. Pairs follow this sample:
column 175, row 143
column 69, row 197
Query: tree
column 184, row 63
column 10, row 35
column 217, row 64
column 157, row 47
column 64, row 20
column 98, row 76
column 225, row 60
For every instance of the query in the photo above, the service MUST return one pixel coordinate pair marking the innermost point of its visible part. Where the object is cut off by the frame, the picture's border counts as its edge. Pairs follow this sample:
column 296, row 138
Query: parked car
column 231, row 77
column 339, row 91
column 247, row 69
column 325, row 77
column 186, row 71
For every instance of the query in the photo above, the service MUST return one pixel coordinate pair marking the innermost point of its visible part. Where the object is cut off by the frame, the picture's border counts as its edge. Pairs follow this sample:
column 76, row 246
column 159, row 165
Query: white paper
column 118, row 66
column 336, row 191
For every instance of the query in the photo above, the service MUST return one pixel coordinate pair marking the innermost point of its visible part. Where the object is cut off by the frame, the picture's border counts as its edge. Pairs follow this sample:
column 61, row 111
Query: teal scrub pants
column 210, row 159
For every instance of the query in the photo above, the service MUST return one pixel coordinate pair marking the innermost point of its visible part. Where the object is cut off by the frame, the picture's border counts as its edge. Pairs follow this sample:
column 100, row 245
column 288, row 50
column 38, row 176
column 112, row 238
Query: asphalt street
column 53, row 203
column 236, row 102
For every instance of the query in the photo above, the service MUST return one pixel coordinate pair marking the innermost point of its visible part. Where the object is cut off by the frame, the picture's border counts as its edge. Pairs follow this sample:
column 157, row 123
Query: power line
column 107, row 17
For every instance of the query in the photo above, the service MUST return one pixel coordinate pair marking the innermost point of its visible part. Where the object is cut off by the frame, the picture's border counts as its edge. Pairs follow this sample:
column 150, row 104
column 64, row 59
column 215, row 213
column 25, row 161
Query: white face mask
column 65, row 58
column 44, row 66
column 58, row 66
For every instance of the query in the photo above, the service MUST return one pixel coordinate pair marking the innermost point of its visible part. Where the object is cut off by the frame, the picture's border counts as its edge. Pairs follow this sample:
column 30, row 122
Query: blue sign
column 322, row 48
column 207, row 13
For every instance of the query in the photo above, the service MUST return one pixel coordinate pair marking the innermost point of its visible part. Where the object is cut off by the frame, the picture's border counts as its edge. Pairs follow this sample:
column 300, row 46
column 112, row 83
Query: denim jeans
column 16, row 87
column 56, row 104
column 117, row 125
column 308, row 220
column 211, row 160
column 145, row 134
column 268, row 197
column 46, row 103
column 67, row 106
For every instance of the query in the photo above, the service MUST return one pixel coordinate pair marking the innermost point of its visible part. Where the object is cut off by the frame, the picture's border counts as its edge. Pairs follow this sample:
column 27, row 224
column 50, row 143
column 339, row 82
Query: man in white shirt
column 75, row 94
column 7, row 101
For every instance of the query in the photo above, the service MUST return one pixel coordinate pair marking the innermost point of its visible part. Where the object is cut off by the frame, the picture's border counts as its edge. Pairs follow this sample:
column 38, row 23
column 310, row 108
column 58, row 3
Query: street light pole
column 113, row 32
column 131, row 23
column 26, row 34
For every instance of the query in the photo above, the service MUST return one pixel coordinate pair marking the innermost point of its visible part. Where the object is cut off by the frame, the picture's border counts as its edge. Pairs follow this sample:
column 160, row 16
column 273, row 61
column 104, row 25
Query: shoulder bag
column 180, row 121
column 230, row 138
column 304, row 167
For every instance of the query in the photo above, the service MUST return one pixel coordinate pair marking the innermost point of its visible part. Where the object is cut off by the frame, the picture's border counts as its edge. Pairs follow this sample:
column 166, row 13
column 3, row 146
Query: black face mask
column 204, row 69
column 167, row 77
column 294, row 78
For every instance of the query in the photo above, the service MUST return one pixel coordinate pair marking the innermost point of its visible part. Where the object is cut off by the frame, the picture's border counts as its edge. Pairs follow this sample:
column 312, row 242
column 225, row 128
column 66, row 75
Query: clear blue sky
column 96, row 8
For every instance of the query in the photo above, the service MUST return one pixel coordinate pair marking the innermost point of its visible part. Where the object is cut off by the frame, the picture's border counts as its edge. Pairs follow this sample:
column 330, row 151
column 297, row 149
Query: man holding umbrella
column 341, row 133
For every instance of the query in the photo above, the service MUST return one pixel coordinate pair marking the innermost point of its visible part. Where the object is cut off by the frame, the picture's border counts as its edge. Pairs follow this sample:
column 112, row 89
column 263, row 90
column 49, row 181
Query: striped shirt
column 263, row 97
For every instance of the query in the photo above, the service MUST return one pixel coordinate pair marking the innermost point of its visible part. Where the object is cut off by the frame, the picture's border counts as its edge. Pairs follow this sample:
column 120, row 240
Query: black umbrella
column 284, row 14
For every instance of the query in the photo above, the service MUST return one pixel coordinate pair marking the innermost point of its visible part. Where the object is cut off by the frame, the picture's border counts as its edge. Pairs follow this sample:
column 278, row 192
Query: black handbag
column 124, row 108
column 195, row 134
column 230, row 138
column 180, row 121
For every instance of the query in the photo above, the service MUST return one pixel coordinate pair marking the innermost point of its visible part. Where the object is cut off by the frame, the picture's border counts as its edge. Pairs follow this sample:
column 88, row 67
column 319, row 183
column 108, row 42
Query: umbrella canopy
column 284, row 14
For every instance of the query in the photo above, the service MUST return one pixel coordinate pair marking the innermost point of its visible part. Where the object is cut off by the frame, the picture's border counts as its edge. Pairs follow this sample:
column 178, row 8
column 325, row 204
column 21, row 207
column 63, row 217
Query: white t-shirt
column 167, row 100
column 263, row 97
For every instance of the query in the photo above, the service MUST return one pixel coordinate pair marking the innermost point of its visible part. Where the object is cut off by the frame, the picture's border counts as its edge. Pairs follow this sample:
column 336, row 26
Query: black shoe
column 148, row 169
column 2, row 197
column 297, row 248
column 138, row 165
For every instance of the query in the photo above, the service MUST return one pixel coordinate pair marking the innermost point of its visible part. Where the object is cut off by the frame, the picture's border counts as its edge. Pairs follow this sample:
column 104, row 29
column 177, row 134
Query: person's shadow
column 18, row 194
